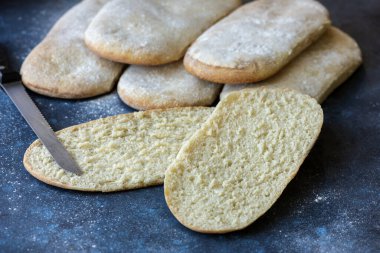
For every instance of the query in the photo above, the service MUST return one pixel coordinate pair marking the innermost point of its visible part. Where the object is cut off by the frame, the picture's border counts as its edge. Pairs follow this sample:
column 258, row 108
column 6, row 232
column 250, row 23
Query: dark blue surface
column 331, row 206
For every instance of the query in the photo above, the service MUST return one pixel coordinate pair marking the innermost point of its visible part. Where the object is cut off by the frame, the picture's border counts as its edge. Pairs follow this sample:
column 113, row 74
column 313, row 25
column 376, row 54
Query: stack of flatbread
column 272, row 63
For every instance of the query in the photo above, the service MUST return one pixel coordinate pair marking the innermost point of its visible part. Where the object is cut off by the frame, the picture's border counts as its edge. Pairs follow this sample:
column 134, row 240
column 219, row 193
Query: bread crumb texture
column 238, row 163
column 120, row 152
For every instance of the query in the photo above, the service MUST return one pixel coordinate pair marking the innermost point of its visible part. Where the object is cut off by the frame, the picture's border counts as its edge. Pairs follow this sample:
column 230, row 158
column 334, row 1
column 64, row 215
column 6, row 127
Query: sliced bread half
column 238, row 163
column 120, row 152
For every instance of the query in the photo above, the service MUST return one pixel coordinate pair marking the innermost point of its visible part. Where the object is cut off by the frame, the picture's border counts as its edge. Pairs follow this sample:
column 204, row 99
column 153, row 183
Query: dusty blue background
column 331, row 206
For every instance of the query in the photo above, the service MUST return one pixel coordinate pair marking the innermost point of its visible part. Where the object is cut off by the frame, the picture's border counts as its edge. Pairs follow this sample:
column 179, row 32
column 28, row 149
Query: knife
column 11, row 83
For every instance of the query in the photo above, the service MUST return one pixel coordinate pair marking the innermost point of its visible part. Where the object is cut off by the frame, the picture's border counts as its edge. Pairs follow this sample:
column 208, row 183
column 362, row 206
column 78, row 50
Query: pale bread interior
column 118, row 153
column 234, row 168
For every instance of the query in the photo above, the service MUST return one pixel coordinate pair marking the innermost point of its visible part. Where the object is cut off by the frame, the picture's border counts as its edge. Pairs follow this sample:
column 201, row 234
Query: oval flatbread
column 317, row 71
column 118, row 153
column 62, row 66
column 165, row 86
column 256, row 40
column 233, row 169
column 152, row 32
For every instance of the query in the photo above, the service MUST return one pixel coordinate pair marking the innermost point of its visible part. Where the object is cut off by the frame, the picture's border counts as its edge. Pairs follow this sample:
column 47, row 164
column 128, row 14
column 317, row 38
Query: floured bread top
column 262, row 36
column 152, row 32
column 62, row 66
column 118, row 153
column 318, row 70
column 165, row 86
column 238, row 163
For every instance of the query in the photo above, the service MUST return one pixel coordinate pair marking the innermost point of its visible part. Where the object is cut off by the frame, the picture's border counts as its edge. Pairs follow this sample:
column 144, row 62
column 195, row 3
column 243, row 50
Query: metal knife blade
column 40, row 126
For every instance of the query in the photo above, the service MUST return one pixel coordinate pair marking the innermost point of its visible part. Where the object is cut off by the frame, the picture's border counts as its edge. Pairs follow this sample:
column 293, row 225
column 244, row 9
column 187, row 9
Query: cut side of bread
column 318, row 71
column 152, row 32
column 256, row 40
column 118, row 153
column 165, row 86
column 232, row 170
column 62, row 66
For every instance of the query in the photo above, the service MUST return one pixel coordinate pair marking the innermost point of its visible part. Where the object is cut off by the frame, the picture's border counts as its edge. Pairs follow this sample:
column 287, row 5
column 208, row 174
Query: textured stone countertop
column 332, row 205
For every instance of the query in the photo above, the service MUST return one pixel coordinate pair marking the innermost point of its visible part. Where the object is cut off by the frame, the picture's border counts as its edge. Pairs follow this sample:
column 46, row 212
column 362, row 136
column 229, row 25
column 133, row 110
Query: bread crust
column 149, row 104
column 130, row 57
column 68, row 93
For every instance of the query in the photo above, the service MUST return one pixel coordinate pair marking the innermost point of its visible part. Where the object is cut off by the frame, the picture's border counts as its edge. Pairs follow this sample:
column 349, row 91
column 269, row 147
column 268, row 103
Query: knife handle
column 6, row 74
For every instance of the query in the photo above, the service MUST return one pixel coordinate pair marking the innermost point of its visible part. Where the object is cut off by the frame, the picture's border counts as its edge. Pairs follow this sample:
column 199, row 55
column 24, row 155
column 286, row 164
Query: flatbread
column 317, row 71
column 235, row 167
column 62, row 66
column 165, row 86
column 256, row 40
column 152, row 32
column 117, row 153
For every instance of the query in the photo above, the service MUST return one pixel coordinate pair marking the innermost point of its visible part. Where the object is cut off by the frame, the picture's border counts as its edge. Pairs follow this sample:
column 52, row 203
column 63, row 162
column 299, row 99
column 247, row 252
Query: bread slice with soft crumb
column 238, row 163
column 120, row 152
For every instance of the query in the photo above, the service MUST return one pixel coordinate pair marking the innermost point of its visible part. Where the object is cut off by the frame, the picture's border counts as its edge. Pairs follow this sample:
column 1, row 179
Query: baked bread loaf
column 62, row 66
column 318, row 70
column 232, row 170
column 118, row 153
column 256, row 40
column 165, row 86
column 152, row 32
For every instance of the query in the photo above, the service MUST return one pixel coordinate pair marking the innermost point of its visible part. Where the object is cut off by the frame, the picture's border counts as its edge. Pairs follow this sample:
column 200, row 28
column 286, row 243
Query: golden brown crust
column 217, row 74
column 54, row 92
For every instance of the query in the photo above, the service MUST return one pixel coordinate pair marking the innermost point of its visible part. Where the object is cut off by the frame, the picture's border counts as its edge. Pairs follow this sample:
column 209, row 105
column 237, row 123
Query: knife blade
column 16, row 91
